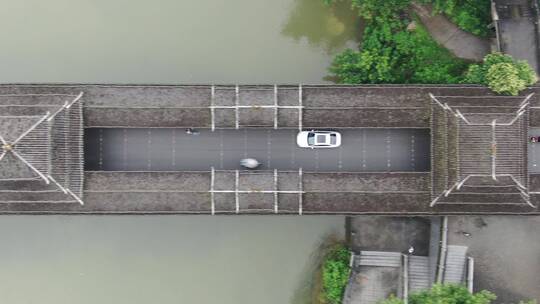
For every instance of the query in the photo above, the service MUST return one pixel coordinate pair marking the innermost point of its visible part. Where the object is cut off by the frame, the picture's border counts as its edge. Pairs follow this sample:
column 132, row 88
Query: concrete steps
column 419, row 273
column 525, row 10
column 454, row 271
column 378, row 258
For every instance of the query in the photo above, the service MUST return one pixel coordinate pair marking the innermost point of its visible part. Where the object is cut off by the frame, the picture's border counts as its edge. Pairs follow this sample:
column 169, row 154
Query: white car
column 318, row 139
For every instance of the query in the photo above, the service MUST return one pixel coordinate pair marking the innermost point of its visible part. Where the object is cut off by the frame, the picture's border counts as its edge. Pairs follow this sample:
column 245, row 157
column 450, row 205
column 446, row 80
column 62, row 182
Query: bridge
column 414, row 150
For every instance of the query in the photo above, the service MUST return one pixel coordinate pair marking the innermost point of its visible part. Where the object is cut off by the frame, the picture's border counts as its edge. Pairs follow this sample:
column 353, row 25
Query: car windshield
column 333, row 139
column 311, row 138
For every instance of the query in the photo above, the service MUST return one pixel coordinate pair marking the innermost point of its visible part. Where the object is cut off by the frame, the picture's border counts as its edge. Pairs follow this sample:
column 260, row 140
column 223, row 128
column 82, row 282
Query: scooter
column 191, row 131
column 249, row 163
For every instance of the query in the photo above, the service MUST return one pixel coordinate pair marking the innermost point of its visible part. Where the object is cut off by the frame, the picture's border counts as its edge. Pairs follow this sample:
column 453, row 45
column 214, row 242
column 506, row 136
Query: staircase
column 419, row 274
column 525, row 10
column 379, row 258
column 454, row 271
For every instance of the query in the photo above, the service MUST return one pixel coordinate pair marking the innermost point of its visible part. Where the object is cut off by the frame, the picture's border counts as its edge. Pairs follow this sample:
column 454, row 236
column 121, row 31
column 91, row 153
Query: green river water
column 166, row 259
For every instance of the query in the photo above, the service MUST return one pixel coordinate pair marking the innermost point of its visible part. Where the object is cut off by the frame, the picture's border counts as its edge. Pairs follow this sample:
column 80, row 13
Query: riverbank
column 396, row 48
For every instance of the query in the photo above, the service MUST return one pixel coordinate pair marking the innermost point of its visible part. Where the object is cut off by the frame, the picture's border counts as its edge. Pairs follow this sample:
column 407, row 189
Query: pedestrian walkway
column 517, row 31
column 462, row 44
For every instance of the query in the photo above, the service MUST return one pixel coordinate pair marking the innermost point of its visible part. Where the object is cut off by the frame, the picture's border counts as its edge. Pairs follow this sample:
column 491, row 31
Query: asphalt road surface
column 375, row 150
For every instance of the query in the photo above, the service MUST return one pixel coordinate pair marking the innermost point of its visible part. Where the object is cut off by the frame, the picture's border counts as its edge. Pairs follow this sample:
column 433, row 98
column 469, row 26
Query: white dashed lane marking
column 221, row 149
column 173, row 139
column 101, row 149
column 293, row 150
column 364, row 149
column 413, row 151
column 340, row 158
column 269, row 148
column 317, row 163
column 149, row 149
column 125, row 149
column 388, row 149
column 245, row 143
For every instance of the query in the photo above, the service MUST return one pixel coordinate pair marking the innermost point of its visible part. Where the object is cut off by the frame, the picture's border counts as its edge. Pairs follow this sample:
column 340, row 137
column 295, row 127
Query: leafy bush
column 451, row 294
column 503, row 78
column 392, row 300
column 472, row 16
column 502, row 74
column 455, row 294
column 335, row 274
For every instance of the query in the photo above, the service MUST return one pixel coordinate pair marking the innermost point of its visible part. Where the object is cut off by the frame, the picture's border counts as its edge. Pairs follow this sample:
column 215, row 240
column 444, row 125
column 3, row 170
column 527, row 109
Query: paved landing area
column 156, row 149
column 534, row 152
column 506, row 252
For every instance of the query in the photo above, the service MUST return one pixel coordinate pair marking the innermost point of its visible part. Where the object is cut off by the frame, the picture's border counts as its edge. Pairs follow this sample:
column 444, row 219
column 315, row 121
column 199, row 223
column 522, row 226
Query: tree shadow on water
column 329, row 27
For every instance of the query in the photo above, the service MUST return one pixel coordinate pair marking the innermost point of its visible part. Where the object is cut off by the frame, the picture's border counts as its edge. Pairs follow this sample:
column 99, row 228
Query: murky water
column 165, row 259
column 160, row 259
column 171, row 41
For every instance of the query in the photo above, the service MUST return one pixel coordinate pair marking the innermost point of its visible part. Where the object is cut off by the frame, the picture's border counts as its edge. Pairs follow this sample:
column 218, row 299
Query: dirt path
column 460, row 43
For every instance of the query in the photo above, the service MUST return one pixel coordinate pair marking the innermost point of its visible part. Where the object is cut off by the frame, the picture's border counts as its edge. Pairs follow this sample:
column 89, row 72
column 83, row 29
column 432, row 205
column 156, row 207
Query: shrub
column 392, row 54
column 335, row 274
column 502, row 74
column 451, row 294
column 503, row 78
column 455, row 294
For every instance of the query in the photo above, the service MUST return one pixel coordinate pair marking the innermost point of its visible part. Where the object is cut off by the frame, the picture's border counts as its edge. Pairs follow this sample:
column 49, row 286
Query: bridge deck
column 139, row 145
column 362, row 150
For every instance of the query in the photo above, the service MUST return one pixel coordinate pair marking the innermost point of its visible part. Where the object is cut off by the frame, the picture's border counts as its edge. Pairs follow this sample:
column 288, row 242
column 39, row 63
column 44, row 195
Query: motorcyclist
column 191, row 131
column 249, row 163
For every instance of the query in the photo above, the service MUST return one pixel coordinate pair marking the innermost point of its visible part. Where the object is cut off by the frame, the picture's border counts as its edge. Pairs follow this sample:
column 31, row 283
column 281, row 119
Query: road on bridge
column 161, row 149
